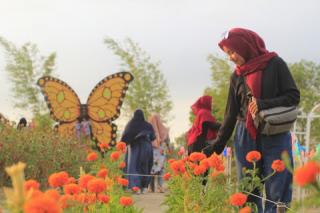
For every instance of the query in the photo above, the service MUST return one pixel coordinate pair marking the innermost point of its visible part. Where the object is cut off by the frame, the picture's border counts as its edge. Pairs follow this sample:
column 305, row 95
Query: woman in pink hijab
column 160, row 145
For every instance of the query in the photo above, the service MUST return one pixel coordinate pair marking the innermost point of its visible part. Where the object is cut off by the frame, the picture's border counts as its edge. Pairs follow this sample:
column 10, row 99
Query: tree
column 307, row 78
column 149, row 90
column 24, row 66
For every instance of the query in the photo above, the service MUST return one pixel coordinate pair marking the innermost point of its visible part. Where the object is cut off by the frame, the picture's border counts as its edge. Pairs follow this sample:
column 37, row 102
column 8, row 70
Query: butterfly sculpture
column 102, row 107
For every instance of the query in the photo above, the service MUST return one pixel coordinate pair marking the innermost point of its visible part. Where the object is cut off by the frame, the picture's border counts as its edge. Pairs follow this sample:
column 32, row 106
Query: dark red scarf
column 251, row 47
column 202, row 111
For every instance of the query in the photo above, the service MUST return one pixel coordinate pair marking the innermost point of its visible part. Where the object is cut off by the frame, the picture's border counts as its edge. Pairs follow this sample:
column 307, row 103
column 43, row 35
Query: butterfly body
column 102, row 107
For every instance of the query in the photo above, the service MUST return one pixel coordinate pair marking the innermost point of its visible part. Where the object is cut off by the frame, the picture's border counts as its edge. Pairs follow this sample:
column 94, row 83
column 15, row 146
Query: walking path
column 150, row 202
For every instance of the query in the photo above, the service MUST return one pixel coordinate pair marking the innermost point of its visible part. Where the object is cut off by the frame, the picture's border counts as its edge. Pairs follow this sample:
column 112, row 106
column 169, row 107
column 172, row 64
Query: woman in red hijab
column 265, row 77
column 204, row 127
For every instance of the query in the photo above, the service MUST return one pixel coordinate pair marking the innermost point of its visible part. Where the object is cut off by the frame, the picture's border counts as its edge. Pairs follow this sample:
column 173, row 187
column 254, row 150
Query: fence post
column 281, row 207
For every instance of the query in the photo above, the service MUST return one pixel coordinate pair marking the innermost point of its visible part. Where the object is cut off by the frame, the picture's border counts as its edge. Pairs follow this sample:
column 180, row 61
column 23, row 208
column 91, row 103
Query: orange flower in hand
column 126, row 201
column 238, row 199
column 253, row 156
column 278, row 166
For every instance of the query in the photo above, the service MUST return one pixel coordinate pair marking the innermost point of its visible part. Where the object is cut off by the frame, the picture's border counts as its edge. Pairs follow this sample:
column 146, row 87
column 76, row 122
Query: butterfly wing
column 104, row 132
column 105, row 100
column 67, row 129
column 62, row 101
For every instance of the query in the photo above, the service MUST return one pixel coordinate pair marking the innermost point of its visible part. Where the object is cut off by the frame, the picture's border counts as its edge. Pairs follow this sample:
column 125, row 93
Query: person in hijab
column 204, row 127
column 22, row 123
column 270, row 84
column 160, row 145
column 138, row 135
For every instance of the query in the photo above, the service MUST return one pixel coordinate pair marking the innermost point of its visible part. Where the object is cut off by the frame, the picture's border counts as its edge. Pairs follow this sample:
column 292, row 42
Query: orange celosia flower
column 104, row 146
column 71, row 189
column 307, row 174
column 197, row 156
column 238, row 199
column 246, row 209
column 278, row 166
column 126, row 201
column 122, row 181
column 199, row 170
column 102, row 173
column 253, row 156
column 58, row 179
column 86, row 198
column 121, row 146
column 191, row 165
column 42, row 204
column 178, row 166
column 167, row 176
column 36, row 193
column 84, row 179
column 115, row 155
column 103, row 198
column 92, row 156
column 96, row 185
column 71, row 180
column 135, row 189
column 122, row 165
column 205, row 162
column 31, row 184
column 171, row 160
column 214, row 161
column 54, row 194
column 66, row 201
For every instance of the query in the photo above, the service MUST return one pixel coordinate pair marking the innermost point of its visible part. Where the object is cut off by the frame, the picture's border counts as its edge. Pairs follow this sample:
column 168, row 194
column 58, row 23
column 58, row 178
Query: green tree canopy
column 24, row 65
column 149, row 90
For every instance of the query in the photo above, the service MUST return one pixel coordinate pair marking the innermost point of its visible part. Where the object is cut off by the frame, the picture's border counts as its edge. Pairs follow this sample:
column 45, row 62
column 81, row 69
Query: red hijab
column 202, row 110
column 251, row 47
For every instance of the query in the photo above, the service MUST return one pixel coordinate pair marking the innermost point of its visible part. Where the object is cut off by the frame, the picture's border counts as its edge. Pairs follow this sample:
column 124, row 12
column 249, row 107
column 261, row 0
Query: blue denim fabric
column 278, row 187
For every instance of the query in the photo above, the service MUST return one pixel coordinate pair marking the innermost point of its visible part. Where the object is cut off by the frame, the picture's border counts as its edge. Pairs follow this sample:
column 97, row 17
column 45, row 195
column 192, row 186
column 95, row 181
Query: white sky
column 179, row 33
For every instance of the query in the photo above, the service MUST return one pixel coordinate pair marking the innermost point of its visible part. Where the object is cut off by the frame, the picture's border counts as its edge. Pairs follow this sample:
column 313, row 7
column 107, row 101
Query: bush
column 42, row 150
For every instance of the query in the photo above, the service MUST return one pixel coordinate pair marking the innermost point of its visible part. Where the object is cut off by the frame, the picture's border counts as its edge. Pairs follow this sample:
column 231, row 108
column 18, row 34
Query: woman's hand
column 253, row 107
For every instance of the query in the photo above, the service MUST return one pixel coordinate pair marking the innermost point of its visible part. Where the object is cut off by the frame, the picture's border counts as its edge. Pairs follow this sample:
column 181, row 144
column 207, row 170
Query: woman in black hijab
column 138, row 135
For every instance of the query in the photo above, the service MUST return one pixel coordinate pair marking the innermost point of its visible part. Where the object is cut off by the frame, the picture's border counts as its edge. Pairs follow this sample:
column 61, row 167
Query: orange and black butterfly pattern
column 102, row 107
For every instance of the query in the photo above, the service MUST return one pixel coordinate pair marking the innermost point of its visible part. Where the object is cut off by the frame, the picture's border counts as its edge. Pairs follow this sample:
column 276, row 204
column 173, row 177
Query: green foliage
column 220, row 75
column 307, row 77
column 149, row 90
column 43, row 152
column 24, row 66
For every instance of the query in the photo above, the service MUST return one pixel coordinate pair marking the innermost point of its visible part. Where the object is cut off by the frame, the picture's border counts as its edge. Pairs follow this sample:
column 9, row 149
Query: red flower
column 199, row 170
column 42, row 204
column 96, row 185
column 102, row 173
column 278, row 166
column 171, row 160
column 115, row 155
column 123, row 181
column 71, row 189
column 71, row 180
column 167, row 176
column 104, row 146
column 197, row 156
column 121, row 146
column 31, row 184
column 122, row 165
column 92, row 156
column 253, row 156
column 103, row 198
column 238, row 199
column 135, row 189
column 215, row 162
column 54, row 194
column 205, row 162
column 84, row 179
column 126, row 201
column 307, row 174
column 246, row 209
column 58, row 179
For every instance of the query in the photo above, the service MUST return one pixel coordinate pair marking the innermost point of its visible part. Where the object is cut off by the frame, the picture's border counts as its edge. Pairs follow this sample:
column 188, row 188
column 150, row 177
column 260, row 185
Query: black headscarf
column 137, row 127
column 22, row 123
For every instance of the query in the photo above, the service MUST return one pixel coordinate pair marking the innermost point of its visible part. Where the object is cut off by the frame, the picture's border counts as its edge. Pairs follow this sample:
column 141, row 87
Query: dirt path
column 151, row 202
